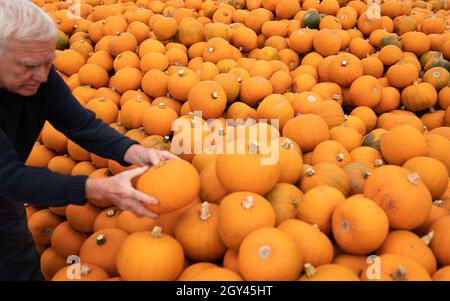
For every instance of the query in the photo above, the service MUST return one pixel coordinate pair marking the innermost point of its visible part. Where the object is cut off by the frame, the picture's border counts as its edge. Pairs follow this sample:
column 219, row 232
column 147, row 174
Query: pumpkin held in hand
column 174, row 183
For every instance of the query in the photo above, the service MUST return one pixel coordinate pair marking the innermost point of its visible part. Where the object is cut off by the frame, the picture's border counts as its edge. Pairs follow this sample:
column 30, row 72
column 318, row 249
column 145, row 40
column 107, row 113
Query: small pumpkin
column 197, row 232
column 316, row 248
column 160, row 181
column 240, row 213
column 150, row 256
column 269, row 254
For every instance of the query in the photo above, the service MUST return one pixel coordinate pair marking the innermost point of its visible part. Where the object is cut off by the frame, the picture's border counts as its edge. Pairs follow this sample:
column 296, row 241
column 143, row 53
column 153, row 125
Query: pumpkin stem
column 248, row 202
column 315, row 226
column 111, row 212
column 438, row 203
column 310, row 172
column 214, row 95
column 344, row 63
column 265, row 252
column 210, row 49
column 414, row 178
column 287, row 144
column 156, row 232
column 428, row 238
column 162, row 105
column 101, row 240
column 166, row 139
column 181, row 72
column 295, row 202
column 340, row 157
column 85, row 270
column 400, row 274
column 377, row 162
column 366, row 174
column 310, row 270
column 335, row 97
column 205, row 213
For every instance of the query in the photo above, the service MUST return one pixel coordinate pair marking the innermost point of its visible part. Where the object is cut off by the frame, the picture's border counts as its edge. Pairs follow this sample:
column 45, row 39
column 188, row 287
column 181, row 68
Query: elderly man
column 30, row 93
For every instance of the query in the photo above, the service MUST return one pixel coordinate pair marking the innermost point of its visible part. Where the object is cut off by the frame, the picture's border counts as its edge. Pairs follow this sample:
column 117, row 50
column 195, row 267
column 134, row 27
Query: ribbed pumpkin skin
column 331, row 272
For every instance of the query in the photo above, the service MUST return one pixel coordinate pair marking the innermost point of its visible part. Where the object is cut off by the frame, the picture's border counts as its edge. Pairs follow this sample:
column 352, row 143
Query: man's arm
column 80, row 125
column 37, row 185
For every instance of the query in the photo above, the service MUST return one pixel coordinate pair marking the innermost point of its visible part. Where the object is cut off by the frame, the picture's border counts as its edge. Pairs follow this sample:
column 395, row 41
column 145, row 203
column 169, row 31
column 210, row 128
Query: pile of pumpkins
column 363, row 108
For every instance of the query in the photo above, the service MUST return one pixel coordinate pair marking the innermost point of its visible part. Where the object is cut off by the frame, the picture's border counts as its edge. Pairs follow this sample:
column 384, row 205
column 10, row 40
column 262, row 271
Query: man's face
column 24, row 66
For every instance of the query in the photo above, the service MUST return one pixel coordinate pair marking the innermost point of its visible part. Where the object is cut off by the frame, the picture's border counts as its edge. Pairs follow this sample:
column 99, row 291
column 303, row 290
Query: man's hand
column 120, row 192
column 142, row 156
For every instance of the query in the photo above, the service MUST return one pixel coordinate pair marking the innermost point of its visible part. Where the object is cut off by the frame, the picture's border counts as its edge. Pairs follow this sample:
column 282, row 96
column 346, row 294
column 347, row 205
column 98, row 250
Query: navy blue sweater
column 21, row 120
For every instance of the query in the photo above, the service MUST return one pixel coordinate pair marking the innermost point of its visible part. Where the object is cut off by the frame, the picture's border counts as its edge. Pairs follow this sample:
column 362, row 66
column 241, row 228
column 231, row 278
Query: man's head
column 27, row 46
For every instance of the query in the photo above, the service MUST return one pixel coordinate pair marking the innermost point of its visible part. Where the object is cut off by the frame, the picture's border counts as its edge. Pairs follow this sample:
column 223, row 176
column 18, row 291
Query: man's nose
column 40, row 74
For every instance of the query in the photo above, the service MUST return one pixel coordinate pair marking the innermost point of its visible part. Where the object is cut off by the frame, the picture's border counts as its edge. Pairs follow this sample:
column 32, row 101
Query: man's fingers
column 145, row 198
column 135, row 172
column 140, row 210
column 168, row 156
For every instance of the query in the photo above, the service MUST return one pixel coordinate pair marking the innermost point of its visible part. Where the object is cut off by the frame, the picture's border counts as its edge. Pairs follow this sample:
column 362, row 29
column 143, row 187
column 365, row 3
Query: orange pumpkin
column 316, row 248
column 150, row 256
column 197, row 232
column 160, row 182
column 240, row 213
column 402, row 195
column 269, row 254
column 353, row 220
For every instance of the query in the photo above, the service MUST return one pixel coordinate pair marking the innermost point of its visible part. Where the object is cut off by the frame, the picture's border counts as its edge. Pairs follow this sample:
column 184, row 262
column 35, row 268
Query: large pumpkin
column 402, row 195
column 359, row 225
column 174, row 183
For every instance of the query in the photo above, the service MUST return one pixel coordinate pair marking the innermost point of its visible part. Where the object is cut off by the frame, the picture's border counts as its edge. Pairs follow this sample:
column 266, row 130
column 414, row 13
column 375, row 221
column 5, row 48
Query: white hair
column 22, row 20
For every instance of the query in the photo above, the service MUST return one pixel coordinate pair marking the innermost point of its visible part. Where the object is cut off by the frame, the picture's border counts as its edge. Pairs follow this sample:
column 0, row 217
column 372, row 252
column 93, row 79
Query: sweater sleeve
column 38, row 186
column 80, row 124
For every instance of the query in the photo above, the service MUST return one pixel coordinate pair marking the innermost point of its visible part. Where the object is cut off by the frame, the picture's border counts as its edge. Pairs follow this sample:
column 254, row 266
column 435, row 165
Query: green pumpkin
column 311, row 19
column 62, row 41
column 391, row 40
column 373, row 139
column 428, row 56
column 437, row 62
